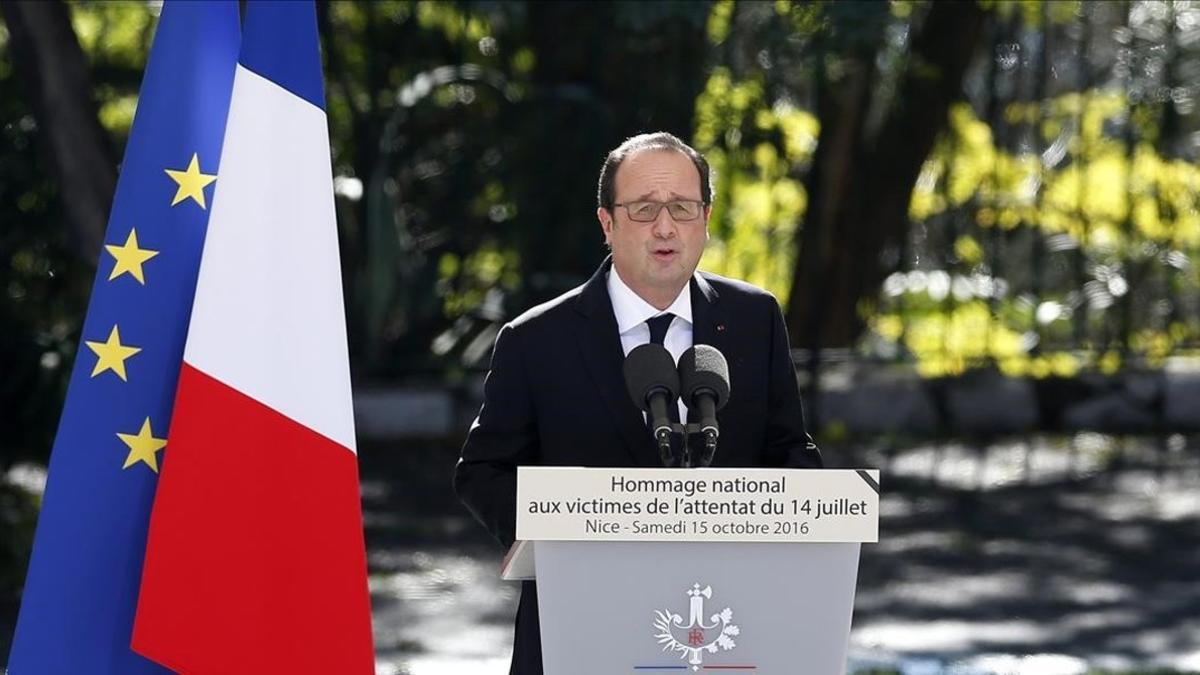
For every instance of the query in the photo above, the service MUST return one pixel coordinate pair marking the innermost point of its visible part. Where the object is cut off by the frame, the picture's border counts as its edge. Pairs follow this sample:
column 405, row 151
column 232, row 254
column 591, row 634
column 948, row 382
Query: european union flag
column 78, row 605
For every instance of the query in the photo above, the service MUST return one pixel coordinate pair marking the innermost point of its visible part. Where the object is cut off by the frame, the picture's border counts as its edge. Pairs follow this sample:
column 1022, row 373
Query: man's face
column 655, row 259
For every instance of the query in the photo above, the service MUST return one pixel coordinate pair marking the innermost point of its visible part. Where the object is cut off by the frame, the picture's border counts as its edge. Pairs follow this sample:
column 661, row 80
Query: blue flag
column 78, row 605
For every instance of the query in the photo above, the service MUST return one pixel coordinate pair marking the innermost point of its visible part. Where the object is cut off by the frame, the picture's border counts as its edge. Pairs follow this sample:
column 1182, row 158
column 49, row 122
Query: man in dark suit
column 556, row 394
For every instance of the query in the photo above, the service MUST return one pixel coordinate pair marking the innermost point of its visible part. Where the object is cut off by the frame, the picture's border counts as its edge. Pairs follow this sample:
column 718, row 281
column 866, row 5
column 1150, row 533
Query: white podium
column 673, row 571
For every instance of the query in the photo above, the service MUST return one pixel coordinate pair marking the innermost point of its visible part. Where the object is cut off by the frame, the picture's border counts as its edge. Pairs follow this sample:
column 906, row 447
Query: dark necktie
column 658, row 331
column 658, row 327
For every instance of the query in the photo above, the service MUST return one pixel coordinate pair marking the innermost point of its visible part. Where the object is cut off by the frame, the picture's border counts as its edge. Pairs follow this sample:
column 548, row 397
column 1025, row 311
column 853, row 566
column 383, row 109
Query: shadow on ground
column 1037, row 547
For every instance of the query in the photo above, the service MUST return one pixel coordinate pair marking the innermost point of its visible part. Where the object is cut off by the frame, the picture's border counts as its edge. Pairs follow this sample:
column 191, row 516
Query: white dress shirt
column 632, row 312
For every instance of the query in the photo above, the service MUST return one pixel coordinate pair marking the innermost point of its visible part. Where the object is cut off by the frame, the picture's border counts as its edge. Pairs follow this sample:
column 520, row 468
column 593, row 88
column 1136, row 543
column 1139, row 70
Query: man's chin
column 670, row 282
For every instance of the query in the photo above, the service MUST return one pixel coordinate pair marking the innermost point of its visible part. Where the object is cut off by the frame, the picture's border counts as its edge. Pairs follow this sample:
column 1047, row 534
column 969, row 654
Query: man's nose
column 664, row 225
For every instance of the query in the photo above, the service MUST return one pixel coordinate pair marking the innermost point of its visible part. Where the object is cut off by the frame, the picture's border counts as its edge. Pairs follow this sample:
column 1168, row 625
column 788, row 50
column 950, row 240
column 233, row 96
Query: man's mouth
column 664, row 253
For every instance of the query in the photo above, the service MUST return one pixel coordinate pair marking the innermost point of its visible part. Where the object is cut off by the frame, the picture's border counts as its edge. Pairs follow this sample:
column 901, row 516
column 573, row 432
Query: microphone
column 653, row 384
column 704, row 380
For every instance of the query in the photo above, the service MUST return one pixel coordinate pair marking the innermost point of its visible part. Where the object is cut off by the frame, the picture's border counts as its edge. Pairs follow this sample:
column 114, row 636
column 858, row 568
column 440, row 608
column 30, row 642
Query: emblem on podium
column 693, row 637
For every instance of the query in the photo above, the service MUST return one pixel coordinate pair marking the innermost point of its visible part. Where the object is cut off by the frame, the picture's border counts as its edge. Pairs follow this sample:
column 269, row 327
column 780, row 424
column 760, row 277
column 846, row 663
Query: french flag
column 255, row 560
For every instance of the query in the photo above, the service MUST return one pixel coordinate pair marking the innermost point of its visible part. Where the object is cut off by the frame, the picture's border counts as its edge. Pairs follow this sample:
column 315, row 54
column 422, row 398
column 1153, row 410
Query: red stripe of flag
column 258, row 544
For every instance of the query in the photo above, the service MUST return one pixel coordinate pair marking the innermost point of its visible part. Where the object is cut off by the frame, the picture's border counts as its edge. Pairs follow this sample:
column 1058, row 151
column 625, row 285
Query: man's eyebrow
column 674, row 195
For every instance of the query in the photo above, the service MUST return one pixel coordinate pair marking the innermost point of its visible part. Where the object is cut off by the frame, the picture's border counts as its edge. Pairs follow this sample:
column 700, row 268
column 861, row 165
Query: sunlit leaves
column 724, row 106
column 115, row 37
column 523, row 61
column 454, row 23
column 806, row 19
column 116, row 33
column 116, row 112
column 1089, row 197
column 756, row 151
column 1129, row 211
column 719, row 21
column 1033, row 11
column 946, row 342
column 968, row 250
column 464, row 283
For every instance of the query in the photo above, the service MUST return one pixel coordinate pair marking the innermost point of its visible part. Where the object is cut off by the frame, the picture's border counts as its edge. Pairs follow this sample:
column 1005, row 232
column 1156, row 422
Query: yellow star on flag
column 129, row 258
column 191, row 182
column 143, row 447
column 112, row 354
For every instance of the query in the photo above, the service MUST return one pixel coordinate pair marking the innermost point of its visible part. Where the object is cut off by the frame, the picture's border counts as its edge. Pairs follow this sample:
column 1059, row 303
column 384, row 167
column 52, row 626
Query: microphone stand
column 665, row 452
column 691, row 458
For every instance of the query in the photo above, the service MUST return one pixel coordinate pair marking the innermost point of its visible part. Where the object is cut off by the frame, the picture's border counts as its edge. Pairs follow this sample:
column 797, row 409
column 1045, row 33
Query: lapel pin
column 720, row 328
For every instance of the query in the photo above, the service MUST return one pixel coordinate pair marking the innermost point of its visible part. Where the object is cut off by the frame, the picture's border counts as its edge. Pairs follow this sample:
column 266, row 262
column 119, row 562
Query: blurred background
column 980, row 218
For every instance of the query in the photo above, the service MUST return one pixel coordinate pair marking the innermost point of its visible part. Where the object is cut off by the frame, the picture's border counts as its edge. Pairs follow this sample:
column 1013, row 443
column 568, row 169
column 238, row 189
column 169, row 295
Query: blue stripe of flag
column 280, row 46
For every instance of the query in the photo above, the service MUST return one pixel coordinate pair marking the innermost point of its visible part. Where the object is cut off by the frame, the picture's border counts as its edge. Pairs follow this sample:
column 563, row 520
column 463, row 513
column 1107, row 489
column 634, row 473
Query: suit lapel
column 603, row 359
column 708, row 321
column 709, row 326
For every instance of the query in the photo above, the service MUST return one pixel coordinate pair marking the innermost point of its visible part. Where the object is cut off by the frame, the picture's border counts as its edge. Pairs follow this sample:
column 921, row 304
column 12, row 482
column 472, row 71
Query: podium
column 701, row 570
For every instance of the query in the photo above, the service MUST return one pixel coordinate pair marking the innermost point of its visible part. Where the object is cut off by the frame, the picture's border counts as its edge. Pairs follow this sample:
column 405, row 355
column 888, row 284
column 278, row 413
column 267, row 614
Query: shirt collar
column 630, row 309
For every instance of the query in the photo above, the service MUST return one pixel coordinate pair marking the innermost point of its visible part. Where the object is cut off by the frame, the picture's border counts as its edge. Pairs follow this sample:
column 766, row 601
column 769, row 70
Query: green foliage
column 116, row 38
column 758, row 139
column 456, row 25
column 466, row 138
column 1036, row 13
column 1125, row 210
column 1089, row 199
column 488, row 268
column 413, row 87
column 719, row 21
column 1115, row 219
column 755, row 151
column 754, row 122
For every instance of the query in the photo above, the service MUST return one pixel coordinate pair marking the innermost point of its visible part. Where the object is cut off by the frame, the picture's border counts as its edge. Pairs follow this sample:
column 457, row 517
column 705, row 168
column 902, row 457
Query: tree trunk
column 861, row 183
column 52, row 65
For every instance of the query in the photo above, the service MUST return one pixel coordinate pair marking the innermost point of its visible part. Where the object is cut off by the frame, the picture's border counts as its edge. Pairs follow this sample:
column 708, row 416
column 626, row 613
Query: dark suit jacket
column 556, row 396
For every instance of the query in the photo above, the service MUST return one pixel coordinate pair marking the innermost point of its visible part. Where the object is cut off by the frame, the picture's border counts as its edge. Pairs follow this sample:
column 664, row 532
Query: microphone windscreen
column 647, row 368
column 704, row 367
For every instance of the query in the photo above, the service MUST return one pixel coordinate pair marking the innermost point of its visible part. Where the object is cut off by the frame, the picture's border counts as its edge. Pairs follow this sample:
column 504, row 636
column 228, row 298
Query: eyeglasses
column 646, row 212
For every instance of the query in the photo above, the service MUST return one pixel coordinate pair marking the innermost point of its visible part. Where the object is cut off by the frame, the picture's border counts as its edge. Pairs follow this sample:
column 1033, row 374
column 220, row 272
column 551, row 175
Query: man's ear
column 606, row 223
